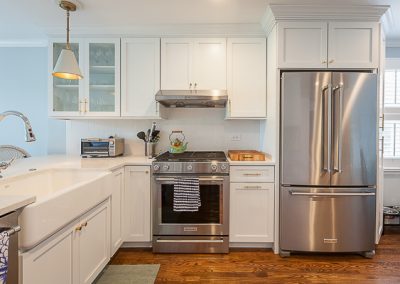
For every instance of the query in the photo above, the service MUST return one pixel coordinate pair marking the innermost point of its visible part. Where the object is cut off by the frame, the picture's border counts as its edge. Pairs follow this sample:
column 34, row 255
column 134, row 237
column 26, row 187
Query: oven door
column 212, row 218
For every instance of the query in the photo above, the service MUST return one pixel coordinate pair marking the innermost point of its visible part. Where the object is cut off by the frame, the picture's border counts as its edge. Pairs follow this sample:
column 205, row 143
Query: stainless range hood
column 192, row 99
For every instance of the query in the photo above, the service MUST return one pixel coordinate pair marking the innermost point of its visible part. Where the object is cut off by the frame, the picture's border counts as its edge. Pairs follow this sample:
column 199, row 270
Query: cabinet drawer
column 252, row 173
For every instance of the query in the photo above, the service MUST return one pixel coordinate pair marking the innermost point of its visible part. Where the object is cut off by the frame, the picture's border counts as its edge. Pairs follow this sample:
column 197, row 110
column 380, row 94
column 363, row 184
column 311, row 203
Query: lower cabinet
column 117, row 210
column 251, row 208
column 77, row 254
column 137, row 204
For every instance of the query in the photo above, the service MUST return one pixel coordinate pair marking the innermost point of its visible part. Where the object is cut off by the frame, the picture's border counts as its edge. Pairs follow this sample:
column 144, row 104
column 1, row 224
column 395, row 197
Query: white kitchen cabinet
column 247, row 76
column 328, row 45
column 193, row 64
column 353, row 45
column 93, row 243
column 251, row 212
column 117, row 210
column 302, row 44
column 98, row 93
column 137, row 204
column 140, row 77
column 76, row 254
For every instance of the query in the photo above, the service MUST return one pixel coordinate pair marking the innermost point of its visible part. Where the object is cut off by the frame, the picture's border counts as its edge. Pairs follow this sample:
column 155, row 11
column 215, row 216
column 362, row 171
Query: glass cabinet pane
column 65, row 92
column 101, row 77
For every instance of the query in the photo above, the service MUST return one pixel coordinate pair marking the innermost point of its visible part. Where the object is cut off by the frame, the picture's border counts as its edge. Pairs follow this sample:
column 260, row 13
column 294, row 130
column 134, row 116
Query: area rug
column 128, row 274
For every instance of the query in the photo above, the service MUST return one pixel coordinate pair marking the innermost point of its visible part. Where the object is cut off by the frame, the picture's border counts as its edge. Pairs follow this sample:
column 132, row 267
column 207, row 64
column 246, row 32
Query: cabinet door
column 117, row 207
column 247, row 76
column 137, row 204
column 51, row 261
column 251, row 212
column 65, row 96
column 94, row 243
column 140, row 77
column 176, row 63
column 210, row 64
column 302, row 44
column 353, row 45
column 102, row 83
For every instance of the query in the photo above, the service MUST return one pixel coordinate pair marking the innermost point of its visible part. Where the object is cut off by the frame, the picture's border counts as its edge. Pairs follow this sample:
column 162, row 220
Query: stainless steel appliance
column 102, row 147
column 204, row 231
column 192, row 98
column 9, row 223
column 328, row 162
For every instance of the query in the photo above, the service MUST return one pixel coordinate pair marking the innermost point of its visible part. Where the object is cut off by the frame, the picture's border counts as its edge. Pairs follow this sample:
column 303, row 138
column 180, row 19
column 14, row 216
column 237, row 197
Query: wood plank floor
column 262, row 266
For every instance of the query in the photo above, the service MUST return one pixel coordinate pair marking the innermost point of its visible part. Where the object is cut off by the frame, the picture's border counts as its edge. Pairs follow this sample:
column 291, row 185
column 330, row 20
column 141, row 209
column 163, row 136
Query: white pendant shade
column 67, row 67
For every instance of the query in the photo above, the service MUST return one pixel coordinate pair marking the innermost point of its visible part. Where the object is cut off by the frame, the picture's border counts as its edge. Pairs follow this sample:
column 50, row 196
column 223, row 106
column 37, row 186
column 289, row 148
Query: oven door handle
column 200, row 179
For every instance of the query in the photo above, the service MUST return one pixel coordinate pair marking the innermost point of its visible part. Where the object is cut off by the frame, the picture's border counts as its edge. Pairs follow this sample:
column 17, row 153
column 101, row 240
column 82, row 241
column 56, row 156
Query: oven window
column 209, row 211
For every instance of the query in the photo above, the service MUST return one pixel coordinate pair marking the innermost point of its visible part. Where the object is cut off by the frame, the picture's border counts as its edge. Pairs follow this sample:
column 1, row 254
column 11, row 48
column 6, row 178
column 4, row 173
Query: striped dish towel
column 187, row 195
column 4, row 243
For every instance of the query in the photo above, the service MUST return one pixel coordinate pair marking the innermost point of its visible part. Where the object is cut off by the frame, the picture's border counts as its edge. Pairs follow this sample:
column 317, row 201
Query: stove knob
column 166, row 167
column 223, row 167
column 213, row 167
column 189, row 168
column 156, row 168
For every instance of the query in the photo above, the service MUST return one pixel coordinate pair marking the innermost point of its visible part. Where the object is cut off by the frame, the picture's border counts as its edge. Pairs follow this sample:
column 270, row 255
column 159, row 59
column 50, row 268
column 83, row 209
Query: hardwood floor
column 262, row 266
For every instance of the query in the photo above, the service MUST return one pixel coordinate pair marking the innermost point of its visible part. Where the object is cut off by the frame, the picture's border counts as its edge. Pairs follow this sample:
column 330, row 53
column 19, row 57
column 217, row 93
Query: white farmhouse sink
column 61, row 196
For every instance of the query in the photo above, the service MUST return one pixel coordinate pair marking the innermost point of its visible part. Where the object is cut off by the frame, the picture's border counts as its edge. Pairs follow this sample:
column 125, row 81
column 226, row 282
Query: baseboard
column 251, row 245
column 136, row 245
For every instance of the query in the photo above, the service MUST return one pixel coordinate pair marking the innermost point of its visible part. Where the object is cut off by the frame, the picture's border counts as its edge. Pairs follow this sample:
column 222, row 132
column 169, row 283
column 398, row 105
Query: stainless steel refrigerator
column 328, row 162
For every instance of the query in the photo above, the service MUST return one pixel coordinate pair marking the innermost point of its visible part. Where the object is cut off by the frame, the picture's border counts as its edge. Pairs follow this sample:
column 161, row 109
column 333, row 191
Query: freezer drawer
column 327, row 219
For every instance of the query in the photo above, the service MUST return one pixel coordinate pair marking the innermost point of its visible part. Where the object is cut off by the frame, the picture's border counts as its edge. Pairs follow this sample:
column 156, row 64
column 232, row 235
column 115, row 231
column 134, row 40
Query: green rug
column 128, row 274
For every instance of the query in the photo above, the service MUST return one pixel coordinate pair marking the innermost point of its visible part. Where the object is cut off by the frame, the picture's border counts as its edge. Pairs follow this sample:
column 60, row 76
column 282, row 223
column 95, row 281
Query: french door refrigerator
column 328, row 162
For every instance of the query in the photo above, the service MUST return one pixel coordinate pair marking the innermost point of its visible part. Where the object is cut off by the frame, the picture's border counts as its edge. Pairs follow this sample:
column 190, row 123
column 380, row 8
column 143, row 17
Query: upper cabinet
column 193, row 64
column 247, row 75
column 98, row 93
column 342, row 45
column 140, row 77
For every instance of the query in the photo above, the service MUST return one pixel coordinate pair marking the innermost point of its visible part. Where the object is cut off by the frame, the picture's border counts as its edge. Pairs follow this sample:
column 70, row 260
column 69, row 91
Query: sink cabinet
column 137, row 204
column 76, row 254
column 98, row 93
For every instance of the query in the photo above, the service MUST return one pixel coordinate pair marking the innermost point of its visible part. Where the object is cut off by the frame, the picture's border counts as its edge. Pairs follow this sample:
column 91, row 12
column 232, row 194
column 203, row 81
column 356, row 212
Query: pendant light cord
column 68, row 45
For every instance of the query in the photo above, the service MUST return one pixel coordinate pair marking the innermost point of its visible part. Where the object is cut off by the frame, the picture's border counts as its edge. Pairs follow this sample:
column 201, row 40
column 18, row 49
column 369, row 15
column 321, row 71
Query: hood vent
column 192, row 99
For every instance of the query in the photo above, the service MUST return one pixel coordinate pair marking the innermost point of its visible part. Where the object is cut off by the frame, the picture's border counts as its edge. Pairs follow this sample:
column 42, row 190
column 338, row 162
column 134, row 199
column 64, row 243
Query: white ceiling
column 34, row 19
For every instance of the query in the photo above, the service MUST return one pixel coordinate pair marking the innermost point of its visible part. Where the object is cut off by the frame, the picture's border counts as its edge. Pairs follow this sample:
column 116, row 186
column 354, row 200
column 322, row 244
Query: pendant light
column 67, row 66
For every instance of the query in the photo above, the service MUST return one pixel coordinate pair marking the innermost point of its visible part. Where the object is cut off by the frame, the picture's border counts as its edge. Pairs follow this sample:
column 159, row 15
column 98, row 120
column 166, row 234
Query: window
column 391, row 133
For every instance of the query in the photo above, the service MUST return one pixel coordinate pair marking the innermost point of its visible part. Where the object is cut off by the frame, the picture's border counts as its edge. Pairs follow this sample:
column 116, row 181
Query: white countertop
column 11, row 203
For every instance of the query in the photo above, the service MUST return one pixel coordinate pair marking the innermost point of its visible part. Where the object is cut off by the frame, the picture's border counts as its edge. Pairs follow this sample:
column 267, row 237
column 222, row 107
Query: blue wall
column 23, row 87
column 392, row 52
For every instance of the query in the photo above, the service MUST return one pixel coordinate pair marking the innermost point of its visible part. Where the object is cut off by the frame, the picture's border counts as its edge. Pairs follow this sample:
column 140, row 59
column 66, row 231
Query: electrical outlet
column 236, row 137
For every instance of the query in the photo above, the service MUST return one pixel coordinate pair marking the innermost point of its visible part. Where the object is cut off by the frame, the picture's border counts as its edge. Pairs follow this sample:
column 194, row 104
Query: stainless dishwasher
column 9, row 222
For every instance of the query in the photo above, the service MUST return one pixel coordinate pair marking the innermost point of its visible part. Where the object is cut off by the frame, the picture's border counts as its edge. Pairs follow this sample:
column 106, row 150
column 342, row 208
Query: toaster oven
column 99, row 147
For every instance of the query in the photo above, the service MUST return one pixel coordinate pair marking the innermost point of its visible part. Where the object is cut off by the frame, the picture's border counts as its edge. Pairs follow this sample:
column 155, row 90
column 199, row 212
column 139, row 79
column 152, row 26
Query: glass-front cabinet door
column 98, row 93
column 65, row 95
column 103, row 78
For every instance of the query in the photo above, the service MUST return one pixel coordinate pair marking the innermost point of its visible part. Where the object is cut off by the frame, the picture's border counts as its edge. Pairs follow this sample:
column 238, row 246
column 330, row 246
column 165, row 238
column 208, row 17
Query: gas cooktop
column 200, row 162
column 198, row 156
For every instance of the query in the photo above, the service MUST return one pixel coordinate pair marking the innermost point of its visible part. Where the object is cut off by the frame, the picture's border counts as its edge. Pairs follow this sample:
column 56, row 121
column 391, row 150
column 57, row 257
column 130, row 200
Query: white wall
column 23, row 81
column 205, row 129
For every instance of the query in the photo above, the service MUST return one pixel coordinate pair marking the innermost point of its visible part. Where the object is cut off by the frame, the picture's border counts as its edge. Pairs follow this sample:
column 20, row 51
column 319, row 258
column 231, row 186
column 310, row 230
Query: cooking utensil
column 153, row 127
column 141, row 135
column 148, row 135
column 154, row 135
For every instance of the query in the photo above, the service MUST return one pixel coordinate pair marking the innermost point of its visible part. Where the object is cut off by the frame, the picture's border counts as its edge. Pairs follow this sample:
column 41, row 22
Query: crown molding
column 278, row 12
column 222, row 30
column 24, row 43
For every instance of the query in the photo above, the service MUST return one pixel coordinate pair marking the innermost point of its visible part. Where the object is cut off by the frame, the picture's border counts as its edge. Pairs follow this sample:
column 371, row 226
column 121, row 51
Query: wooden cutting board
column 246, row 155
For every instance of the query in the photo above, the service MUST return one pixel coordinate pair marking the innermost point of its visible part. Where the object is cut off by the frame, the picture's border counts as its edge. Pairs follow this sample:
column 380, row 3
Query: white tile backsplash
column 205, row 129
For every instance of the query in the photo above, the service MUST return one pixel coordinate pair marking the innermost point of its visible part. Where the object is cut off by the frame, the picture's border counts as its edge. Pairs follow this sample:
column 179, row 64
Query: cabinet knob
column 324, row 62
column 190, row 86
column 85, row 224
column 195, row 86
column 331, row 61
column 79, row 228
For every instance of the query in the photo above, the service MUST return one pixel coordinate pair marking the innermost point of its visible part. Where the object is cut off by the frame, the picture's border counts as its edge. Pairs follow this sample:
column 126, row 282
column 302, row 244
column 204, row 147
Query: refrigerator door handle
column 327, row 118
column 337, row 167
column 331, row 193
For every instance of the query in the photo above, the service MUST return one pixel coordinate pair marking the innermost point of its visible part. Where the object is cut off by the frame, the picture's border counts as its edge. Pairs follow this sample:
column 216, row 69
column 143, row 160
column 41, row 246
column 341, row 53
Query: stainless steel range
column 202, row 231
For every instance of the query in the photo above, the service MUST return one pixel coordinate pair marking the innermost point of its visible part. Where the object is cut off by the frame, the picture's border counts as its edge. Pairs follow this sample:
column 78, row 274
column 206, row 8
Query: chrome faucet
column 29, row 135
column 5, row 165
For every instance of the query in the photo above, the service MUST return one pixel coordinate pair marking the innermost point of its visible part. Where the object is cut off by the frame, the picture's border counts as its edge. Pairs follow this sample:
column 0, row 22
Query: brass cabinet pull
column 79, row 228
column 252, row 175
column 331, row 61
column 324, row 62
column 85, row 224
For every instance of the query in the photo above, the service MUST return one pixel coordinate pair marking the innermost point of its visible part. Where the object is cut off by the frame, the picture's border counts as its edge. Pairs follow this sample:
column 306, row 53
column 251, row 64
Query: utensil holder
column 150, row 149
